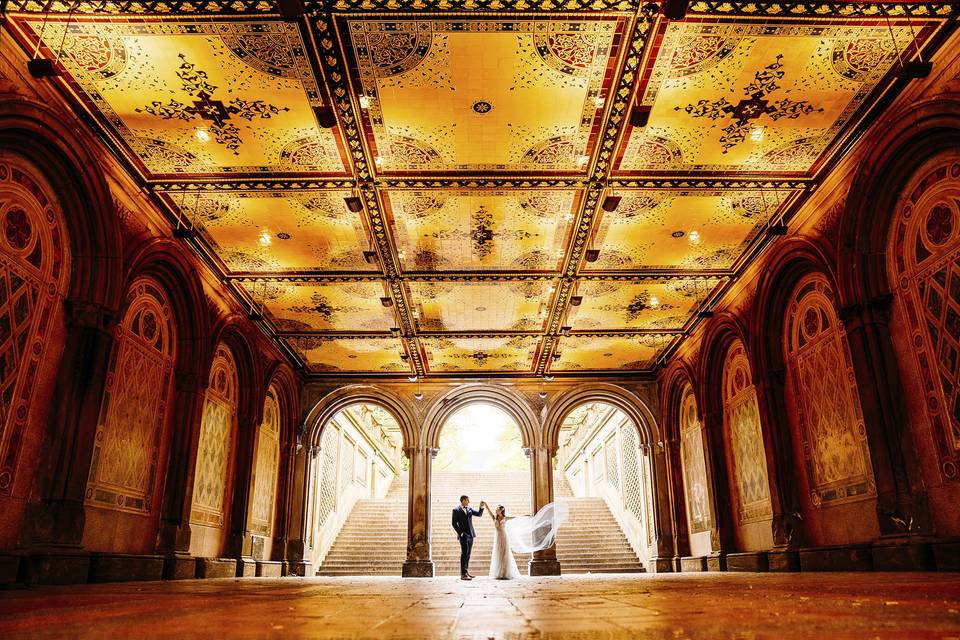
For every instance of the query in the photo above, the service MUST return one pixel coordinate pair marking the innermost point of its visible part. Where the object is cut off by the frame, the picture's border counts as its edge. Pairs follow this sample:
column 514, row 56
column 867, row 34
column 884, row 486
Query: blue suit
column 463, row 525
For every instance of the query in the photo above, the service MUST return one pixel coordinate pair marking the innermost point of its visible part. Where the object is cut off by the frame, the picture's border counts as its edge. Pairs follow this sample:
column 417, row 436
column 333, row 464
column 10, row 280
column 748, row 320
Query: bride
column 524, row 534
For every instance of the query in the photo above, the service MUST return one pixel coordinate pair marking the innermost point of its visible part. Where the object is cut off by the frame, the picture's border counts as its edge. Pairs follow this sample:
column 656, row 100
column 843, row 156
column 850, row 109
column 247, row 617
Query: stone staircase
column 589, row 542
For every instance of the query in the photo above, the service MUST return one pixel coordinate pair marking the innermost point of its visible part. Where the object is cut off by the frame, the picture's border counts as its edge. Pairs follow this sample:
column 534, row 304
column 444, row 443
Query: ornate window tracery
column 924, row 265
column 741, row 423
column 34, row 267
column 216, row 441
column 693, row 461
column 820, row 369
column 135, row 401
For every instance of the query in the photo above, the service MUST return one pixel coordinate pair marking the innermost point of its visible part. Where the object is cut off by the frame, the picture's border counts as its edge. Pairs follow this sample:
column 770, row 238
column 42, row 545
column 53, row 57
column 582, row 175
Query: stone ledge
column 179, row 567
column 903, row 556
column 216, row 568
column 755, row 561
column 946, row 556
column 10, row 567
column 838, row 558
column 56, row 568
column 543, row 568
column 783, row 561
column 417, row 569
column 659, row 565
column 690, row 564
column 717, row 562
column 269, row 569
column 121, row 567
column 246, row 568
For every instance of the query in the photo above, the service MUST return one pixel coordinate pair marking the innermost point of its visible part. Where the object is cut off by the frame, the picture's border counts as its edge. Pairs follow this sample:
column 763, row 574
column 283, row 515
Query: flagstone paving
column 657, row 607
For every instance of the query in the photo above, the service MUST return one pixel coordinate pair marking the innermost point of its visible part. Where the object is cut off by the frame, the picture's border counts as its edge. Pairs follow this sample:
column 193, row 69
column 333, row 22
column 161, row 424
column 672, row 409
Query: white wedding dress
column 503, row 566
column 524, row 534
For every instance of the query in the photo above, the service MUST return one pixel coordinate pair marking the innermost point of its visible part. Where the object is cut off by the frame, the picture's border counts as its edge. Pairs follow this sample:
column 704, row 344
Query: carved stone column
column 54, row 521
column 419, row 562
column 298, row 508
column 721, row 534
column 676, row 496
column 173, row 538
column 902, row 509
column 543, row 563
column 662, row 549
column 240, row 538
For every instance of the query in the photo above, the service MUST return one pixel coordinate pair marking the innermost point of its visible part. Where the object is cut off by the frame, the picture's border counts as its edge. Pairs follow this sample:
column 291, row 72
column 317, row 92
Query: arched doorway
column 357, row 476
column 603, row 463
column 481, row 455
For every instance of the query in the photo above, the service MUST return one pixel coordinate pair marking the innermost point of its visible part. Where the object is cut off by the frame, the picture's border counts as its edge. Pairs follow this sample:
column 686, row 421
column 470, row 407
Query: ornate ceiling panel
column 481, row 137
column 478, row 230
column 690, row 229
column 481, row 306
column 198, row 97
column 607, row 352
column 279, row 231
column 504, row 95
column 740, row 96
column 453, row 354
column 349, row 355
column 611, row 305
column 323, row 306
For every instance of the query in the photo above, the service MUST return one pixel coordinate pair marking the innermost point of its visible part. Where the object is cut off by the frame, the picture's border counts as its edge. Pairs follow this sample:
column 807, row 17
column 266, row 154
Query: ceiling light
column 404, row 356
column 203, row 135
column 418, row 396
column 598, row 102
column 576, row 300
column 654, row 302
column 640, row 115
column 264, row 239
column 916, row 69
column 182, row 232
column 542, row 395
column 387, row 302
column 354, row 204
column 610, row 203
column 583, row 160
column 42, row 68
column 693, row 237
column 326, row 116
column 756, row 134
column 548, row 378
column 413, row 378
column 593, row 255
column 565, row 331
column 364, row 102
column 555, row 355
column 777, row 230
column 370, row 257
column 378, row 161
column 675, row 9
column 705, row 314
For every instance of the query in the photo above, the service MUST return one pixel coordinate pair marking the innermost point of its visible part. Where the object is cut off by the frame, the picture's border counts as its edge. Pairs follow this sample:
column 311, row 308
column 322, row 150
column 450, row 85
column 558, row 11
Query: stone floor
column 655, row 607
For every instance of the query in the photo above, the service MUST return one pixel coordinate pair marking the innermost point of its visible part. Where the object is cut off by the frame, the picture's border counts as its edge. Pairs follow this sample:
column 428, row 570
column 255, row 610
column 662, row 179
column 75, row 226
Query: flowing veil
column 537, row 532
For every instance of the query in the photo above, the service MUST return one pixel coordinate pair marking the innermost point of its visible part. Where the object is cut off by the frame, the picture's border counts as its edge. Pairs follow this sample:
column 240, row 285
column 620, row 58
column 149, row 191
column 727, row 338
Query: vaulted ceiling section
column 481, row 138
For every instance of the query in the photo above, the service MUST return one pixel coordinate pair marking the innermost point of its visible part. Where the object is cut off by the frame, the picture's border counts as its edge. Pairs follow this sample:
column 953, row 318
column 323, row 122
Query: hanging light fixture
column 326, row 116
column 354, row 203
column 44, row 67
column 419, row 394
column 289, row 9
column 543, row 394
column 912, row 69
column 640, row 115
column 675, row 9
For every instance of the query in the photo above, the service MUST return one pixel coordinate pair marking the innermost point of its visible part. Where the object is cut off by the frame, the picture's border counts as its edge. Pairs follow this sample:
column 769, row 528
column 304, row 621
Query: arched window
column 833, row 439
column 924, row 264
column 216, row 436
column 268, row 461
column 741, row 423
column 694, row 464
column 135, row 400
column 34, row 267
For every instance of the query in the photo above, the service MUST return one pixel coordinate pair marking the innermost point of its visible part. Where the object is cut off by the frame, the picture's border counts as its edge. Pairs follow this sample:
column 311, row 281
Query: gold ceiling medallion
column 482, row 107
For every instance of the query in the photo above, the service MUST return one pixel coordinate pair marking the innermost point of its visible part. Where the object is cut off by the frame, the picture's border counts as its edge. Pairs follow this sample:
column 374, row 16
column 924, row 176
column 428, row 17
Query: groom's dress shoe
column 471, row 576
column 466, row 577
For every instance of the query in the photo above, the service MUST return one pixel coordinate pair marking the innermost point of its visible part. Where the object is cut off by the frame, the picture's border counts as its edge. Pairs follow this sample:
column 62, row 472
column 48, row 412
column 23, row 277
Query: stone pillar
column 173, row 538
column 721, row 533
column 543, row 563
column 902, row 509
column 677, row 498
column 419, row 562
column 285, row 502
column 662, row 549
column 240, row 537
column 299, row 508
column 55, row 518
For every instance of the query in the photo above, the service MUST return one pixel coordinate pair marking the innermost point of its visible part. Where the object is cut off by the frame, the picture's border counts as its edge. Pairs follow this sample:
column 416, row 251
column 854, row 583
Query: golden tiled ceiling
column 279, row 231
column 479, row 141
column 199, row 97
column 478, row 230
column 350, row 355
column 682, row 229
column 481, row 306
column 486, row 354
column 653, row 305
column 322, row 306
column 604, row 353
column 500, row 95
column 757, row 96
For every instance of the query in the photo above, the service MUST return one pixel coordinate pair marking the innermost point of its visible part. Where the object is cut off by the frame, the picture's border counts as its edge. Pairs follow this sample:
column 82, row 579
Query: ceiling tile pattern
column 483, row 95
column 734, row 97
column 480, row 141
column 197, row 97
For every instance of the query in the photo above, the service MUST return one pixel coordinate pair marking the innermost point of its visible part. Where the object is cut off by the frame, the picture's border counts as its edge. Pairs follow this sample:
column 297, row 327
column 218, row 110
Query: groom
column 463, row 525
